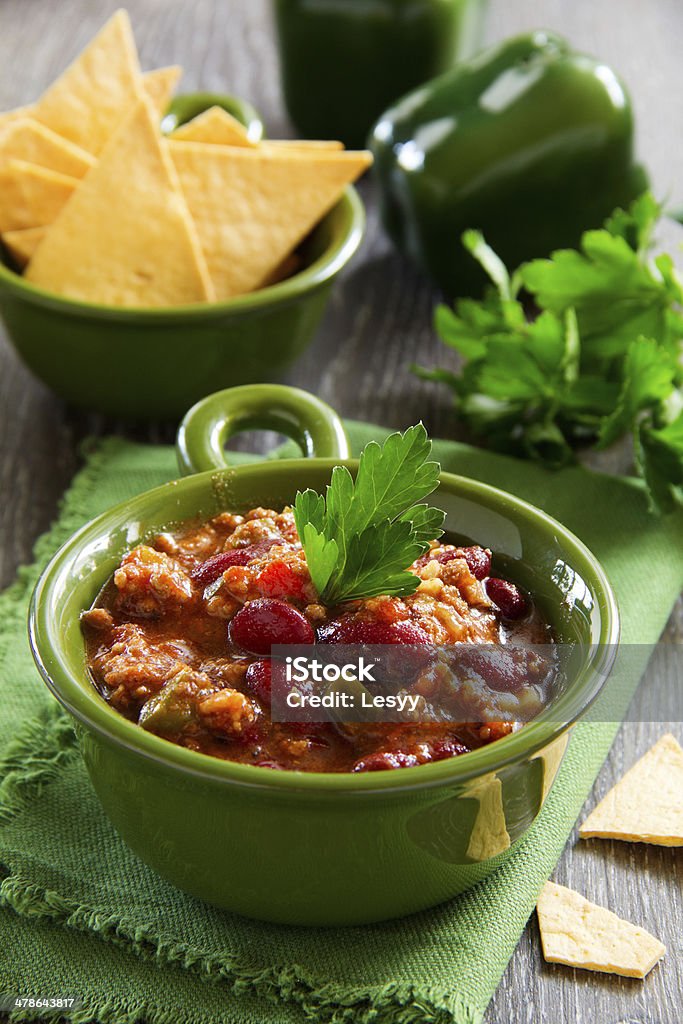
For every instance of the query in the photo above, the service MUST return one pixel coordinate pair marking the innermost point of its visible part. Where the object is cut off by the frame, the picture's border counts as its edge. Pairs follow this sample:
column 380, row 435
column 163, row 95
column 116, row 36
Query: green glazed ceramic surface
column 314, row 848
column 211, row 422
column 152, row 363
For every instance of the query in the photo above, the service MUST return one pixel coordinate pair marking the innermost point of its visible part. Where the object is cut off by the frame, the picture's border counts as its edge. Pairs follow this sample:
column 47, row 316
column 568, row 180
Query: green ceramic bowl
column 153, row 363
column 315, row 848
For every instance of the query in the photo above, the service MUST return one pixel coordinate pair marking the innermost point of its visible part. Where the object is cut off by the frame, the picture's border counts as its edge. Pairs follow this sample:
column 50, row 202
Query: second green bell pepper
column 343, row 61
column 529, row 142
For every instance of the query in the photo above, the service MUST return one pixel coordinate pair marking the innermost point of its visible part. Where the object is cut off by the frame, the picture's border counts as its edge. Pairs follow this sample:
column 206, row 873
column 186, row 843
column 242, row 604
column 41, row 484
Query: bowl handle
column 207, row 426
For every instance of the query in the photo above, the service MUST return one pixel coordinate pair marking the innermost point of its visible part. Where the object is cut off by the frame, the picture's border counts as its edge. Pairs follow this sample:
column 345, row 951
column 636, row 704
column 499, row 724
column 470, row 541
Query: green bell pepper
column 529, row 142
column 343, row 61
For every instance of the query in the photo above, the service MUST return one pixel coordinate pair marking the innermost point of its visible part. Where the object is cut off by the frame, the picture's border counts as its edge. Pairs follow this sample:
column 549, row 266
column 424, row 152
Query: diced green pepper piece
column 173, row 707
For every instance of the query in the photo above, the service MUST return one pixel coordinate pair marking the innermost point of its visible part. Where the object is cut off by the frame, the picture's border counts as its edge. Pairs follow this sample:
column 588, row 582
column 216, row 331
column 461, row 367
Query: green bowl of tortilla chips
column 164, row 250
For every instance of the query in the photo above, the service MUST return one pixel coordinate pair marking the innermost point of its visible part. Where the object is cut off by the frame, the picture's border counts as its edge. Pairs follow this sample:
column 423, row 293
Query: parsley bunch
column 601, row 359
column 361, row 537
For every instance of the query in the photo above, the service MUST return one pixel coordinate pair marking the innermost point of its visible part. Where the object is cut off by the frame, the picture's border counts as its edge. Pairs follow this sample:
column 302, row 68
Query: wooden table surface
column 378, row 322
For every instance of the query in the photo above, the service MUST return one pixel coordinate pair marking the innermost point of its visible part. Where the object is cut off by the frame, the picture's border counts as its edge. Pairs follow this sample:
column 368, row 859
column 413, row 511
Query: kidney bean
column 209, row 571
column 265, row 622
column 509, row 598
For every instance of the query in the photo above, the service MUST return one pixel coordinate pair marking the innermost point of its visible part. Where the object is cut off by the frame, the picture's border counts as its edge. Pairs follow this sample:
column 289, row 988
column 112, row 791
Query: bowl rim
column 86, row 705
column 343, row 245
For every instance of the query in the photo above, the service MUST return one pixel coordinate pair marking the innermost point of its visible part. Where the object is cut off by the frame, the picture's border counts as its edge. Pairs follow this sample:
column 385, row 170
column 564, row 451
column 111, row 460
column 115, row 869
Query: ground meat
column 315, row 613
column 281, row 573
column 383, row 609
column 447, row 617
column 263, row 524
column 166, row 543
column 225, row 671
column 490, row 731
column 98, row 619
column 133, row 668
column 456, row 573
column 200, row 542
column 150, row 582
column 450, row 605
column 220, row 603
column 229, row 713
column 226, row 522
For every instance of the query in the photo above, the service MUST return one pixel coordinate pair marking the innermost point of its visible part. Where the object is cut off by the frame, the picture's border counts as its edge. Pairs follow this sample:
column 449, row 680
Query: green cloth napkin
column 81, row 916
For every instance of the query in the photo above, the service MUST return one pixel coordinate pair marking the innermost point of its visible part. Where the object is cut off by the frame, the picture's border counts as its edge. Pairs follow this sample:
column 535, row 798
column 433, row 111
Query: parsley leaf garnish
column 361, row 537
column 600, row 359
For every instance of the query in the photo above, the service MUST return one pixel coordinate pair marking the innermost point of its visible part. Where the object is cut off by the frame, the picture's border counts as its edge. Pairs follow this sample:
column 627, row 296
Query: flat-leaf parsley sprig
column 362, row 535
column 602, row 359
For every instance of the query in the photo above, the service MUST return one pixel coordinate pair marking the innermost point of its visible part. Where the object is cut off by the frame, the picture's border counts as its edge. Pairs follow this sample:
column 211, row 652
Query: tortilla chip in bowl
column 144, row 363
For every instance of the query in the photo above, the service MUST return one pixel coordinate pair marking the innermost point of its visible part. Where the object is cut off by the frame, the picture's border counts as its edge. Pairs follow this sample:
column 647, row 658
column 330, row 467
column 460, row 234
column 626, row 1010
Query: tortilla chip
column 578, row 933
column 31, row 196
column 159, row 85
column 21, row 245
column 88, row 101
column 215, row 127
column 9, row 116
column 28, row 140
column 646, row 805
column 126, row 238
column 252, row 207
column 324, row 145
